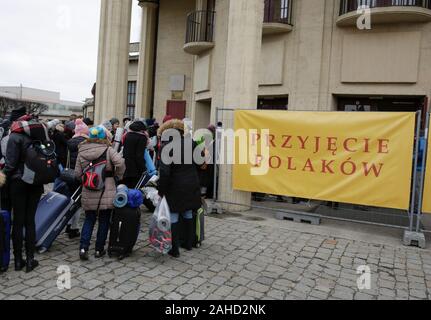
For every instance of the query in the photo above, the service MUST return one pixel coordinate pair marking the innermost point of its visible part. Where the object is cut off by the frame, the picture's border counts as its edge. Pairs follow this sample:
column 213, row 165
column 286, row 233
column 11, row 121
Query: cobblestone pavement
column 239, row 260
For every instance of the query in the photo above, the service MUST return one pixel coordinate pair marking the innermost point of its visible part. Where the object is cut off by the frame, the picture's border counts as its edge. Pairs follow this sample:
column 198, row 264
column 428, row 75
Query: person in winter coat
column 24, row 199
column 98, row 204
column 81, row 134
column 60, row 140
column 135, row 144
column 179, row 183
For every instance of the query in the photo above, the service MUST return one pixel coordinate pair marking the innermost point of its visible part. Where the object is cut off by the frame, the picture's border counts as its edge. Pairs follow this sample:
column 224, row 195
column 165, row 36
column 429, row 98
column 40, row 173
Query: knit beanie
column 81, row 129
column 17, row 113
column 97, row 133
column 138, row 126
column 167, row 118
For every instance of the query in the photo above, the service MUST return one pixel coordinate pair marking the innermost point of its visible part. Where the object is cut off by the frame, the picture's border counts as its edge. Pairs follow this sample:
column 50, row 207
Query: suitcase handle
column 77, row 194
column 141, row 180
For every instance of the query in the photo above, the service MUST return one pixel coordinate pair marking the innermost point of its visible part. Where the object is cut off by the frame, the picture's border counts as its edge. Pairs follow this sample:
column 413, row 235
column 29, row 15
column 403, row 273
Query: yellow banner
column 426, row 204
column 351, row 157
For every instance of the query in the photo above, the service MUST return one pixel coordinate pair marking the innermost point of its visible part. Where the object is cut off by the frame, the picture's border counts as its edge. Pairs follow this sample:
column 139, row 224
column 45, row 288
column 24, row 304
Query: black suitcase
column 125, row 226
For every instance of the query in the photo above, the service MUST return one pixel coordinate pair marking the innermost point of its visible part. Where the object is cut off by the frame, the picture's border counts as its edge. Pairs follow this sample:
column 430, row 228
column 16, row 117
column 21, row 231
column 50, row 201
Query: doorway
column 202, row 114
column 176, row 109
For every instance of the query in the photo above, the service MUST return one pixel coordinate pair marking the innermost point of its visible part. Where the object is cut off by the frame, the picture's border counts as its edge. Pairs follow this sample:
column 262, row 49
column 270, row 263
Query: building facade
column 56, row 108
column 199, row 55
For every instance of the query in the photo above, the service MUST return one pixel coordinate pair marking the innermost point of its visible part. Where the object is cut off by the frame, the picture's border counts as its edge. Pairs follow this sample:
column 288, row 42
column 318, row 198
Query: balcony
column 200, row 32
column 385, row 11
column 277, row 17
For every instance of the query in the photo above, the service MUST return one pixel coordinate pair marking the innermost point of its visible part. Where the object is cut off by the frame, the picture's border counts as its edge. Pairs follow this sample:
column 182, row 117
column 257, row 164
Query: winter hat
column 114, row 121
column 126, row 118
column 150, row 122
column 97, row 133
column 88, row 122
column 81, row 129
column 167, row 118
column 138, row 126
column 70, row 126
column 17, row 113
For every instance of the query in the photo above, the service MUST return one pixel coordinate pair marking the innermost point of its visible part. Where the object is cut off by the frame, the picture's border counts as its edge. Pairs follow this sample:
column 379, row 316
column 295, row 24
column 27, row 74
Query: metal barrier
column 409, row 221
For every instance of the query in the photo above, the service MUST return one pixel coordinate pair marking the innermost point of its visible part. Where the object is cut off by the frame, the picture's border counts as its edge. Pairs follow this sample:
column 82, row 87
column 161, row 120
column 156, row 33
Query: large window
column 131, row 99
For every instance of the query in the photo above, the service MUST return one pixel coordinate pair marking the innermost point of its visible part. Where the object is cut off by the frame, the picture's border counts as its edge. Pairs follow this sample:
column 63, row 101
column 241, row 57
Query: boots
column 189, row 234
column 175, row 251
column 30, row 263
column 19, row 262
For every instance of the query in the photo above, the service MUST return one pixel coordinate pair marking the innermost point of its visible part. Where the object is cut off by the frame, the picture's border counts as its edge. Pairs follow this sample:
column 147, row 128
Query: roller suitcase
column 124, row 231
column 5, row 227
column 53, row 213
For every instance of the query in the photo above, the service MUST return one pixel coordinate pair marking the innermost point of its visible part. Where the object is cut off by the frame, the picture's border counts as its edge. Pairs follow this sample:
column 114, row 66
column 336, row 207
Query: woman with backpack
column 96, row 158
column 24, row 196
column 179, row 182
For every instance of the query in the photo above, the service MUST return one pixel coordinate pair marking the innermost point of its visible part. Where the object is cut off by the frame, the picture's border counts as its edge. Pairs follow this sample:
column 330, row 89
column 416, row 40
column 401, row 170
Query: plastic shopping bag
column 160, row 228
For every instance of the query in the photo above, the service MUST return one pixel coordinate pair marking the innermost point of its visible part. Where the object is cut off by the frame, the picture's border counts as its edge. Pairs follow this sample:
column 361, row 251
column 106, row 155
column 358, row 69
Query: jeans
column 175, row 217
column 24, row 198
column 102, row 231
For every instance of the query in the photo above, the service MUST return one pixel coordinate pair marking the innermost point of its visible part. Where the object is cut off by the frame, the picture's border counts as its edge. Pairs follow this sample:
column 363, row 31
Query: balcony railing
column 348, row 6
column 278, row 11
column 200, row 27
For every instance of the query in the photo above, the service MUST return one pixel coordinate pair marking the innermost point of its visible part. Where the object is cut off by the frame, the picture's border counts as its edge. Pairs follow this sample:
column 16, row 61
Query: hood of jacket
column 92, row 149
column 172, row 124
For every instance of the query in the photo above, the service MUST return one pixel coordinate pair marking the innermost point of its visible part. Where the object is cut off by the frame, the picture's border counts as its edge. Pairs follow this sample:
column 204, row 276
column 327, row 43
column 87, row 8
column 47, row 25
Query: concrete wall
column 171, row 59
column 313, row 64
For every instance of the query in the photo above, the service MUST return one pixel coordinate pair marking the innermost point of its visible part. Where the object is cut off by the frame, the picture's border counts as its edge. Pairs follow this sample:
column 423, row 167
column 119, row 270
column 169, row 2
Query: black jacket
column 73, row 148
column 133, row 152
column 15, row 155
column 180, row 182
column 60, row 141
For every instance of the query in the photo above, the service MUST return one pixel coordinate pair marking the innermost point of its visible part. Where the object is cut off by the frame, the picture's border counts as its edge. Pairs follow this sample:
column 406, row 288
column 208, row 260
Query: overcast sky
column 52, row 44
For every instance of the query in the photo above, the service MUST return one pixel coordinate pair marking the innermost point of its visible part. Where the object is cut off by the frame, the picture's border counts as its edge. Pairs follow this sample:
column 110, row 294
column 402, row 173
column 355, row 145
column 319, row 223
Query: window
column 131, row 99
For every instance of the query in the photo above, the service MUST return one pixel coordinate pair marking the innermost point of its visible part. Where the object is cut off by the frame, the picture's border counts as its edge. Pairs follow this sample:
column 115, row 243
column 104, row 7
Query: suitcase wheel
column 42, row 250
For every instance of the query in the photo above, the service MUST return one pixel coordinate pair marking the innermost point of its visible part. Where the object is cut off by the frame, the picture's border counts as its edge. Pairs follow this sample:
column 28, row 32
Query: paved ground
column 240, row 259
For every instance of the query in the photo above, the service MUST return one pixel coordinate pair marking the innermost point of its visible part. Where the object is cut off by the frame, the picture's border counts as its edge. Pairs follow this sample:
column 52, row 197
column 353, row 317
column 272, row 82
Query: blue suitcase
column 5, row 226
column 53, row 213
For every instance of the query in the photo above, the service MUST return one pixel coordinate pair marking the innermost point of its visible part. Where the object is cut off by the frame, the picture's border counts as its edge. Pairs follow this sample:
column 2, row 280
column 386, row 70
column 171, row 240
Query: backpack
column 40, row 163
column 94, row 175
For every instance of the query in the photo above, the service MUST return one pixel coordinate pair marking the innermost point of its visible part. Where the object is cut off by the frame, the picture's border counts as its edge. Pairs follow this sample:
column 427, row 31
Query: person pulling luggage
column 81, row 134
column 97, row 159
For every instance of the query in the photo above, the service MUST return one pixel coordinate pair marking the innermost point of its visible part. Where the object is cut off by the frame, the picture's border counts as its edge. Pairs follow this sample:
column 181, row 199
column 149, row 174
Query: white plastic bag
column 160, row 228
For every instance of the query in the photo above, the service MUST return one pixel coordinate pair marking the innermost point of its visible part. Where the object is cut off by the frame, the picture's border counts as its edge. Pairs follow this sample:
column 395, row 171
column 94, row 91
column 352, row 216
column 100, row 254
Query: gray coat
column 92, row 149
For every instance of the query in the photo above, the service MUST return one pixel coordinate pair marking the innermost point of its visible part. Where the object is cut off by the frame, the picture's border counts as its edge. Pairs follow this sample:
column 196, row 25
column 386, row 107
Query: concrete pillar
column 146, row 59
column 241, row 79
column 113, row 59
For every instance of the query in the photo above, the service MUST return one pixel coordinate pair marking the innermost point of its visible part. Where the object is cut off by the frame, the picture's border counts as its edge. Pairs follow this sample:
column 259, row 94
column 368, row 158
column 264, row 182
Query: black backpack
column 40, row 163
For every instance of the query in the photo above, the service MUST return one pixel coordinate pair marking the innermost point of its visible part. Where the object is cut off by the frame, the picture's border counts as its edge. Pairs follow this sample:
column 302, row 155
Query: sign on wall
column 359, row 158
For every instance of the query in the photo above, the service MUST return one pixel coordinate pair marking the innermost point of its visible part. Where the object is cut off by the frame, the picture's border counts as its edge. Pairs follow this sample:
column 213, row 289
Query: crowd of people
column 78, row 144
